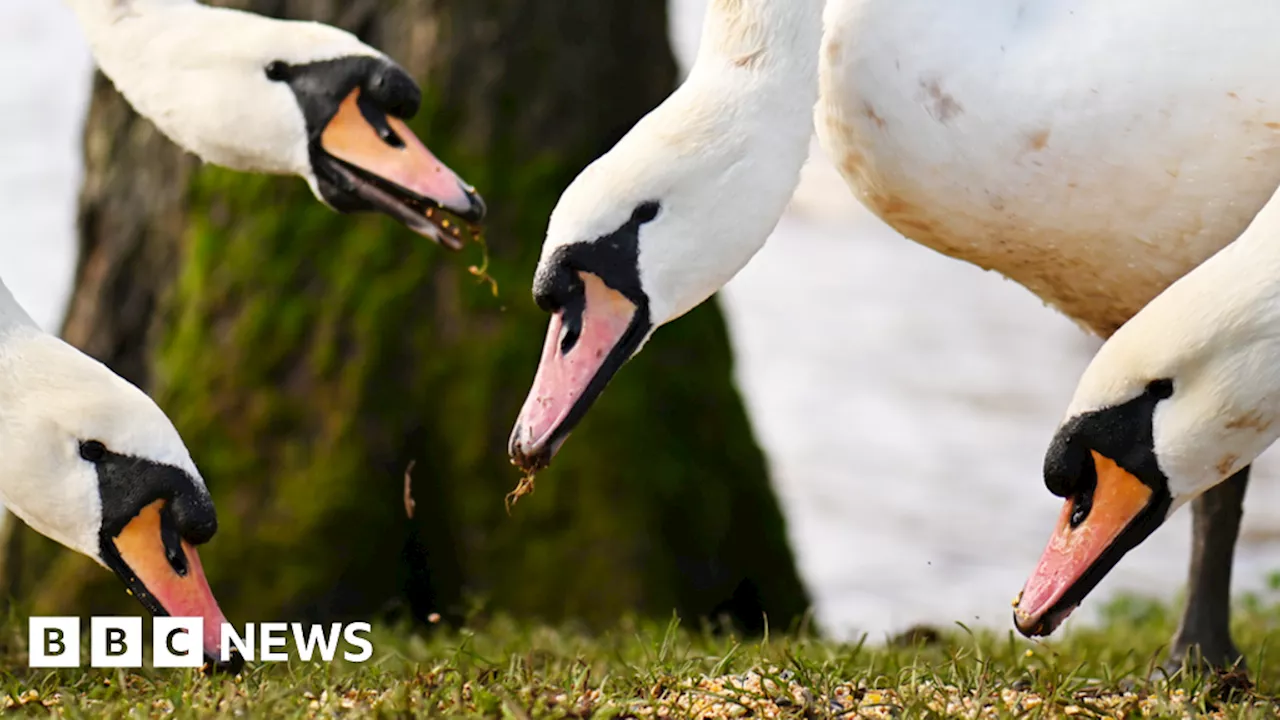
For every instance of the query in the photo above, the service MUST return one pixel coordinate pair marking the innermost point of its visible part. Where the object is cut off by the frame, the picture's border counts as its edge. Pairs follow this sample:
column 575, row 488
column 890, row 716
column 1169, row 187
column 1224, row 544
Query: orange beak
column 1118, row 515
column 390, row 170
column 164, row 573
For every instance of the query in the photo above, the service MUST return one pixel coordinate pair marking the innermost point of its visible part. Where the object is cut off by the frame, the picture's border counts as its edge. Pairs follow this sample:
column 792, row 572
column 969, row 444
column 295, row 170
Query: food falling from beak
column 585, row 345
column 524, row 487
column 389, row 167
column 1094, row 531
column 163, row 571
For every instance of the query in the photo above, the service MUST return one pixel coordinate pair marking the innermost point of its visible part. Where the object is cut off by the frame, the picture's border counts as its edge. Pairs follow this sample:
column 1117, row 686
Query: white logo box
column 115, row 642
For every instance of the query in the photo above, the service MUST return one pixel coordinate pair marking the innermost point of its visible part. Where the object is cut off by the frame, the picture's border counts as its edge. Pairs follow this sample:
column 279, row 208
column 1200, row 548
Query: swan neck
column 95, row 15
column 781, row 36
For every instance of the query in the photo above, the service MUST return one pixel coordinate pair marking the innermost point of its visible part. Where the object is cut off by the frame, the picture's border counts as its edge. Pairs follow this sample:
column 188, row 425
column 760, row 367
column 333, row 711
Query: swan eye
column 93, row 451
column 645, row 212
column 277, row 70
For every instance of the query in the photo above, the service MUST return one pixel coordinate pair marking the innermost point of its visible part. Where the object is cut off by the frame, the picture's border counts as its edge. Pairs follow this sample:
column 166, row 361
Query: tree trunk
column 307, row 358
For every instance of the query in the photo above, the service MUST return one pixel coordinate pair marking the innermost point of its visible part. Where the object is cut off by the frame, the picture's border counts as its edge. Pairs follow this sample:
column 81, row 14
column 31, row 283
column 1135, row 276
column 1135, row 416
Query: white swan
column 1069, row 145
column 1181, row 397
column 90, row 461
column 275, row 96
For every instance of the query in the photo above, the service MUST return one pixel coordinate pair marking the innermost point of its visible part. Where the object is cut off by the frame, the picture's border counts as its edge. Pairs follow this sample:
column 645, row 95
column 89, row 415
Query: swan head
column 1184, row 395
column 362, row 156
column 259, row 94
column 644, row 234
column 91, row 462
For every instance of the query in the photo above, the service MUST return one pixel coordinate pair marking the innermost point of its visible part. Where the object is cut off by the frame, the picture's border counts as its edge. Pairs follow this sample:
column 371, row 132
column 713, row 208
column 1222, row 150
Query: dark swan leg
column 1204, row 635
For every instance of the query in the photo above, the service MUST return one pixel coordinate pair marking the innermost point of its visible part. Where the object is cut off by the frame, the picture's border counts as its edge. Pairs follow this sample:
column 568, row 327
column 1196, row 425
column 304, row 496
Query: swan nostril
column 172, row 541
column 1081, row 506
column 571, row 327
column 377, row 119
column 390, row 137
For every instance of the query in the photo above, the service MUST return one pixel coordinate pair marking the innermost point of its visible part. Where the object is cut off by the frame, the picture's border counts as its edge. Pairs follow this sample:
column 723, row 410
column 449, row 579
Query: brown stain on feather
column 1038, row 140
column 851, row 163
column 739, row 32
column 942, row 106
column 834, row 47
column 869, row 110
column 1040, row 268
column 1225, row 464
column 748, row 60
column 1060, row 266
column 1252, row 420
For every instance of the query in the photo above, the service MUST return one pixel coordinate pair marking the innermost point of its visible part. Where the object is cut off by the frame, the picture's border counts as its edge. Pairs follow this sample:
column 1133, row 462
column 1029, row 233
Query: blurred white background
column 904, row 399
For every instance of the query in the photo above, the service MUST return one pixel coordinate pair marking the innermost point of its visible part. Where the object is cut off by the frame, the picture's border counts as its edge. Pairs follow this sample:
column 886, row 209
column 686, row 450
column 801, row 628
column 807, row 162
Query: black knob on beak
column 392, row 90
column 1065, row 465
column 556, row 285
column 194, row 515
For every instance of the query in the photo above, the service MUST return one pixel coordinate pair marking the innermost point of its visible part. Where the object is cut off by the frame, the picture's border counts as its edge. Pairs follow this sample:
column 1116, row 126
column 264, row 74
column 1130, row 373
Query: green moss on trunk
column 308, row 357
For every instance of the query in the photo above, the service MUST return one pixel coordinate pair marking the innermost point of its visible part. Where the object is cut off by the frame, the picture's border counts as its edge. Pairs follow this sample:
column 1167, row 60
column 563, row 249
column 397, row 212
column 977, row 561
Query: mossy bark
column 308, row 357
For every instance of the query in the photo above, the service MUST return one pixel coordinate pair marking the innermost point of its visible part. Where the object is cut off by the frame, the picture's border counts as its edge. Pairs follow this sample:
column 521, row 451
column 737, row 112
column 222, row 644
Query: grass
column 498, row 668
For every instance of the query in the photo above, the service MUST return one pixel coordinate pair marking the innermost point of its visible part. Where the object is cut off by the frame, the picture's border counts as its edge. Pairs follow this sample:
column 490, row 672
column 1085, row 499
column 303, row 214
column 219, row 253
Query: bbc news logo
column 177, row 642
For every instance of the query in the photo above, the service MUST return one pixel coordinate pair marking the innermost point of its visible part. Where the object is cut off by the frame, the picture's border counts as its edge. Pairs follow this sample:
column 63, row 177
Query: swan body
column 258, row 94
column 1182, row 397
column 91, row 462
column 1092, row 151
